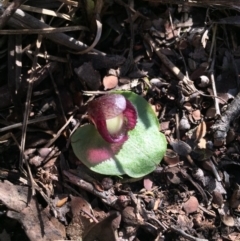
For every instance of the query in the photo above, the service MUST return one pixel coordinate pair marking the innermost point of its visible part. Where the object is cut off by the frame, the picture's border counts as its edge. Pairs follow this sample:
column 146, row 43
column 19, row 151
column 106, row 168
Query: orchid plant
column 124, row 137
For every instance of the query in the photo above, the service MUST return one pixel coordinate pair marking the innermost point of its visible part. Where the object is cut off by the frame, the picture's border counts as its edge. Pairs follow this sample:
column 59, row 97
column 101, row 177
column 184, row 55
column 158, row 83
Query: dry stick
column 45, row 12
column 211, row 70
column 222, row 125
column 58, row 95
column 59, row 8
column 97, row 10
column 175, row 70
column 177, row 126
column 42, row 30
column 36, row 120
column 9, row 11
column 71, row 3
column 22, row 20
column 185, row 235
column 59, row 132
column 96, row 40
column 27, row 112
column 231, row 4
column 48, row 57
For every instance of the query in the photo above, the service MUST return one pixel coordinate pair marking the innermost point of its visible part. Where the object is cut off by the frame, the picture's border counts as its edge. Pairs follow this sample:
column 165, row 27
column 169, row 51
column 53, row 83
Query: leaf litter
column 182, row 57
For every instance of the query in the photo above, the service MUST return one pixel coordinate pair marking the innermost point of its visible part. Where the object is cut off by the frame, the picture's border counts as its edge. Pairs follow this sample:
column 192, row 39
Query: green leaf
column 138, row 156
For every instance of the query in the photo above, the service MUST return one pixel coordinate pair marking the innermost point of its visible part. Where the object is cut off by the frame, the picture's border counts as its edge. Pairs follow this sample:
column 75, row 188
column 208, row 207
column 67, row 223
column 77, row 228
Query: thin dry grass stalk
column 208, row 3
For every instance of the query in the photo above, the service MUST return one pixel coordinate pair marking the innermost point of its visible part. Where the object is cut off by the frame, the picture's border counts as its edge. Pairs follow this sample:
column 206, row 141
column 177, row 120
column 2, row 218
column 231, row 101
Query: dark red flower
column 113, row 115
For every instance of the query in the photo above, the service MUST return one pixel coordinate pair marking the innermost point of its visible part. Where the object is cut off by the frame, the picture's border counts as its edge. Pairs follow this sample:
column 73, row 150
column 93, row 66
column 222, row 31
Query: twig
column 185, row 235
column 36, row 120
column 9, row 11
column 42, row 30
column 221, row 127
column 49, row 57
column 175, row 70
column 177, row 126
column 90, row 215
column 59, row 132
column 71, row 3
column 58, row 96
column 22, row 157
column 211, row 71
column 95, row 42
column 45, row 12
column 22, row 20
column 208, row 212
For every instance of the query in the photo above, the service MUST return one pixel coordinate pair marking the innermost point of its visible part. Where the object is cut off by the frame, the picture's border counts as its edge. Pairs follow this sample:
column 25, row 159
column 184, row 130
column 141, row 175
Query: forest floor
column 56, row 56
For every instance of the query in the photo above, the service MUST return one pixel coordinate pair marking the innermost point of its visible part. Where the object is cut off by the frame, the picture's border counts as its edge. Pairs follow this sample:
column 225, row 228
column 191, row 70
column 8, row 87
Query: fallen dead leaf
column 171, row 157
column 38, row 223
column 191, row 205
column 147, row 182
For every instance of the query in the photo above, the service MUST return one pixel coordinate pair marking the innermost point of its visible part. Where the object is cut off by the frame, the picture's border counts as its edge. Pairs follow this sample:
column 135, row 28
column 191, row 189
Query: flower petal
column 113, row 116
column 130, row 114
column 107, row 106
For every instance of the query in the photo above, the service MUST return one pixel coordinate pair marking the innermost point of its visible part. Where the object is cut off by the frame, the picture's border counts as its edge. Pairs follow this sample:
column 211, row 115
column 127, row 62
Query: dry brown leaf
column 104, row 230
column 80, row 222
column 38, row 223
column 201, row 131
column 13, row 196
column 171, row 157
column 217, row 198
column 147, row 182
column 181, row 147
column 191, row 205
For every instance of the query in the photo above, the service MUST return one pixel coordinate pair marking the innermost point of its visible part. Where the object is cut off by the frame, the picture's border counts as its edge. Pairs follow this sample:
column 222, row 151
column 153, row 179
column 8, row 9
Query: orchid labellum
column 124, row 137
column 113, row 116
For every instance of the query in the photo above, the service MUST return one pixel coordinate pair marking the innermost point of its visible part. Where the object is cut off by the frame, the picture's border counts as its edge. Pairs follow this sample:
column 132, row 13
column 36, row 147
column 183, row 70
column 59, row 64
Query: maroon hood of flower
column 108, row 107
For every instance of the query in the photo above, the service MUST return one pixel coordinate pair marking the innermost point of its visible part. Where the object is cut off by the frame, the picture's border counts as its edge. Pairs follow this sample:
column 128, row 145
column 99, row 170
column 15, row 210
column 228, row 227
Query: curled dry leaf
column 191, row 205
column 200, row 131
column 147, row 182
column 131, row 217
column 181, row 147
column 110, row 82
column 105, row 229
column 80, row 222
column 217, row 198
column 171, row 157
